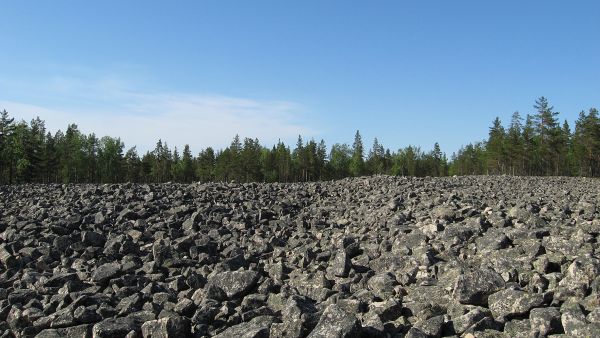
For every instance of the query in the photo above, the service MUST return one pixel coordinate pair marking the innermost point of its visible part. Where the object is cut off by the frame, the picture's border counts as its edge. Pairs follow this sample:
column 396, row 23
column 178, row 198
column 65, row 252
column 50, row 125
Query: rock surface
column 365, row 257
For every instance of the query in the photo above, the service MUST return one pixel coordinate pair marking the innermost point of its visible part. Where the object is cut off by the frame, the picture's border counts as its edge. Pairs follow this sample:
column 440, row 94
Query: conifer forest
column 537, row 144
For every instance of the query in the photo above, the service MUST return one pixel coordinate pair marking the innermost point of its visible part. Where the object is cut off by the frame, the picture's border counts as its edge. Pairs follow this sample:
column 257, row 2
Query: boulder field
column 380, row 256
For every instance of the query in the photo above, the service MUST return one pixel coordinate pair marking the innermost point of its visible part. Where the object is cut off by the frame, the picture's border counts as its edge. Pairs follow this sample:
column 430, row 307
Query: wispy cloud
column 109, row 107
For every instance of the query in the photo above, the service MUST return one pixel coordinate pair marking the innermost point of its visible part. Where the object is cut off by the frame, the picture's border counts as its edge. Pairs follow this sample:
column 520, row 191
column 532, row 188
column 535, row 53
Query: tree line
column 539, row 146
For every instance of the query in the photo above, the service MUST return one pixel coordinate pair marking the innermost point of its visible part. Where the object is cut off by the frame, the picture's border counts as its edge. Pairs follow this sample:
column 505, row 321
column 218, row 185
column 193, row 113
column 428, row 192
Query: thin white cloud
column 141, row 118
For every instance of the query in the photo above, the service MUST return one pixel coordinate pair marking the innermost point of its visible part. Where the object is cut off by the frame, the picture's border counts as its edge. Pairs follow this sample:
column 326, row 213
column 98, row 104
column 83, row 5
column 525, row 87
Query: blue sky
column 198, row 72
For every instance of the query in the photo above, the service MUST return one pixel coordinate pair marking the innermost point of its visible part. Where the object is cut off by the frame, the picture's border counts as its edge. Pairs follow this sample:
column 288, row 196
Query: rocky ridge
column 365, row 257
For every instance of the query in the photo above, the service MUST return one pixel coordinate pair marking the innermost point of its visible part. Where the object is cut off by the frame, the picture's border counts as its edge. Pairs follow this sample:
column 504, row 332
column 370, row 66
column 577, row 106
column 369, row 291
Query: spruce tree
column 514, row 145
column 187, row 164
column 495, row 148
column 357, row 164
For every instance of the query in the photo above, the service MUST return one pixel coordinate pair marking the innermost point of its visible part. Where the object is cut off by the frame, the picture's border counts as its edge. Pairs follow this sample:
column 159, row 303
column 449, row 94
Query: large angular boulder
column 235, row 284
column 475, row 287
column 105, row 272
column 509, row 303
column 167, row 327
column 336, row 323
column 256, row 328
column 114, row 327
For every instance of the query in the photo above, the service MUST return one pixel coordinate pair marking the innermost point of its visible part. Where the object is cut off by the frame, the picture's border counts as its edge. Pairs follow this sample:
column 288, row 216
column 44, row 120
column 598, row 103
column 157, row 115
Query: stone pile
column 365, row 257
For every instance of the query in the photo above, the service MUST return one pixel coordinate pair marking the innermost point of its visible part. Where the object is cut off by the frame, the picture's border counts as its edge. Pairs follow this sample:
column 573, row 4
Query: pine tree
column 157, row 162
column 321, row 158
column 299, row 160
column 438, row 167
column 176, row 167
column 357, row 164
column 19, row 161
column 310, row 153
column 530, row 151
column 206, row 165
column 546, row 136
column 133, row 166
column 495, row 148
column 514, row 145
column 187, row 163
column 51, row 160
column 34, row 147
column 268, row 164
column 250, row 159
column 375, row 158
column 284, row 162
column 6, row 134
column 234, row 163
column 71, row 155
column 387, row 162
column 411, row 160
column 566, row 150
column 586, row 143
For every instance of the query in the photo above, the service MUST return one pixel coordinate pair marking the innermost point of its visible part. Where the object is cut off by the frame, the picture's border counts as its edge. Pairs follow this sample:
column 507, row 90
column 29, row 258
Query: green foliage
column 536, row 145
column 133, row 166
column 110, row 157
column 541, row 146
column 340, row 158
column 357, row 163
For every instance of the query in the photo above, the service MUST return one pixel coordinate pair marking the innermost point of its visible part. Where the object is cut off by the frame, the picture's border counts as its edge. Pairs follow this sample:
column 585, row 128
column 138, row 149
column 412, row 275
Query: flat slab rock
column 380, row 256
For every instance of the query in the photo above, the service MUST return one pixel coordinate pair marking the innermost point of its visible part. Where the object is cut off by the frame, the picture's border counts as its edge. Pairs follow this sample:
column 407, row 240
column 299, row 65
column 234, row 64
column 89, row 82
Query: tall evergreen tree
column 234, row 164
column 133, row 166
column 284, row 162
column 71, row 154
column 586, row 143
column 375, row 158
column 531, row 153
column 187, row 165
column 439, row 161
column 547, row 137
column 495, row 148
column 206, row 165
column 320, row 160
column 250, row 159
column 539, row 146
column 51, row 160
column 357, row 163
column 566, row 150
column 7, row 128
column 299, row 160
column 514, row 145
